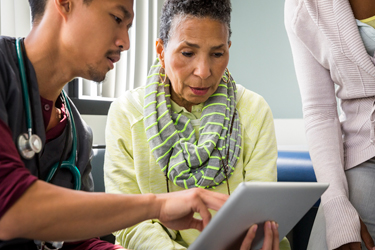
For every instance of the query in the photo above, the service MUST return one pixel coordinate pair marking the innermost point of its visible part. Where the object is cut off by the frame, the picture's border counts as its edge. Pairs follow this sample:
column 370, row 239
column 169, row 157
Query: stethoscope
column 29, row 143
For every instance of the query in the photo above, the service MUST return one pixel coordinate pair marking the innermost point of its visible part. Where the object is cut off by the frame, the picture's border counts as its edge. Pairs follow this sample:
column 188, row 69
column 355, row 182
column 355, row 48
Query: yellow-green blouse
column 130, row 168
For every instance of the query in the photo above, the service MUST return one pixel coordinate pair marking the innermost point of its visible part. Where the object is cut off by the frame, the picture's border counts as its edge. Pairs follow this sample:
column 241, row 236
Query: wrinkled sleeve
column 324, row 136
column 15, row 179
column 85, row 152
column 120, row 178
column 90, row 244
column 260, row 147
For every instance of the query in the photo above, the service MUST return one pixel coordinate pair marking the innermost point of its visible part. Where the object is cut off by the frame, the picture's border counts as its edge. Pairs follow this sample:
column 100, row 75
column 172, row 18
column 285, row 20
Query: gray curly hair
column 175, row 11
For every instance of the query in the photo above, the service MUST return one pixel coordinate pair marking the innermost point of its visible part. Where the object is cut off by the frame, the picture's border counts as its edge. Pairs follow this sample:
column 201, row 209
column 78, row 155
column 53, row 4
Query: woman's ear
column 64, row 7
column 160, row 51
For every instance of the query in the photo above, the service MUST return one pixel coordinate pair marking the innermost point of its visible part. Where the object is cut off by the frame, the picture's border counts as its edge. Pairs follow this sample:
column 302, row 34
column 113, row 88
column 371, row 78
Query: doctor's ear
column 63, row 7
column 160, row 51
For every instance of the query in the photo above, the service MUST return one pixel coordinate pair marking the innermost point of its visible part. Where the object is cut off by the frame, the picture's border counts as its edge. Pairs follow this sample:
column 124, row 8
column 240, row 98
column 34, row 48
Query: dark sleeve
column 87, row 178
column 85, row 152
column 91, row 244
column 15, row 179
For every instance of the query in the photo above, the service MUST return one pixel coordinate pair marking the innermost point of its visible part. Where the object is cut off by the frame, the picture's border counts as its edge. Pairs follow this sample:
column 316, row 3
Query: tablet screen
column 255, row 203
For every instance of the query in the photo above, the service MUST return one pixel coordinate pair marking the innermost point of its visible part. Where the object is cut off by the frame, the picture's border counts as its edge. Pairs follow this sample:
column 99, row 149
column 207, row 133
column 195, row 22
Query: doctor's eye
column 117, row 19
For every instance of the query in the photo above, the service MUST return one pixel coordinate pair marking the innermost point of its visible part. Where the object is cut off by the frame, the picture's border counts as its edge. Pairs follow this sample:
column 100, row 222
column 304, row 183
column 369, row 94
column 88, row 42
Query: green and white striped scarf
column 191, row 162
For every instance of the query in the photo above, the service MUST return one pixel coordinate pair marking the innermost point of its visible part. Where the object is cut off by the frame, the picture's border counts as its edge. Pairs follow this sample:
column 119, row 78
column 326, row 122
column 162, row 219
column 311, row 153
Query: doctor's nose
column 123, row 42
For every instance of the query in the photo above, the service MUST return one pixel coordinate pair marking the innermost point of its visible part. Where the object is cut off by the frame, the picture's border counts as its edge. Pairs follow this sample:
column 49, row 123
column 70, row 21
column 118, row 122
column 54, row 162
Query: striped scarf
column 186, row 161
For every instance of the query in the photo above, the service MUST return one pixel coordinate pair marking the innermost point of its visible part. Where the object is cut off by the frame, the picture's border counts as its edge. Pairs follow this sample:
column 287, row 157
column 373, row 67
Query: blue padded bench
column 292, row 166
column 97, row 164
column 296, row 166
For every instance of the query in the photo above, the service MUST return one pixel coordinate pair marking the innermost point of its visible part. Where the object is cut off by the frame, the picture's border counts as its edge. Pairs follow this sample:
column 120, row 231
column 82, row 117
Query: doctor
column 70, row 38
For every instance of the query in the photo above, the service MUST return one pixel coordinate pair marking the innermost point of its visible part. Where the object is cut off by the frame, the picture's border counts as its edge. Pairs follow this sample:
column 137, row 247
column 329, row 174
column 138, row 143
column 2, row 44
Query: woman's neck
column 363, row 9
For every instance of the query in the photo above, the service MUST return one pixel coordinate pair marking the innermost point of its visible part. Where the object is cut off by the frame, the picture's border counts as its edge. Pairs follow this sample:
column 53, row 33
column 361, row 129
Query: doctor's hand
column 176, row 209
column 271, row 237
column 366, row 238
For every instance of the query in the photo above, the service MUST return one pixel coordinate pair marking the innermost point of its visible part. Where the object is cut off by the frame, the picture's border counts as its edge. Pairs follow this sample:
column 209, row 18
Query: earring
column 160, row 76
column 227, row 74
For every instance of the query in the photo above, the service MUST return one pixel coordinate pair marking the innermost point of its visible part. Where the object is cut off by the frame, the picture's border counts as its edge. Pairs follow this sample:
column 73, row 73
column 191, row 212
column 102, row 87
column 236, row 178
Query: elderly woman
column 190, row 125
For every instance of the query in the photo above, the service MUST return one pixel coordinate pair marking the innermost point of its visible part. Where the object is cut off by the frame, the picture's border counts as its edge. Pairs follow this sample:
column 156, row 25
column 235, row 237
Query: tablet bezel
column 286, row 203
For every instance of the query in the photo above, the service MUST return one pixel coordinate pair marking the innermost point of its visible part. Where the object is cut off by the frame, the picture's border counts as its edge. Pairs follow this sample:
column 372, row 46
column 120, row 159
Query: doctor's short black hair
column 37, row 8
column 219, row 10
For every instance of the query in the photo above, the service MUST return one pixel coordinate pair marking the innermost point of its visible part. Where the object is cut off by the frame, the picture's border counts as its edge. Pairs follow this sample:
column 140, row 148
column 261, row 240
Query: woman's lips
column 199, row 91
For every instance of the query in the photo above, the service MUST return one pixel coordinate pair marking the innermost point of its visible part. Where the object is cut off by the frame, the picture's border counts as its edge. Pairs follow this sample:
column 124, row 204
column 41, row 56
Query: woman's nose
column 203, row 69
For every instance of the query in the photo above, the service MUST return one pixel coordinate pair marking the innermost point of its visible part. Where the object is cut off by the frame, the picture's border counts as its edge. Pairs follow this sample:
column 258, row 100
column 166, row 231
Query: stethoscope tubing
column 25, row 91
column 70, row 163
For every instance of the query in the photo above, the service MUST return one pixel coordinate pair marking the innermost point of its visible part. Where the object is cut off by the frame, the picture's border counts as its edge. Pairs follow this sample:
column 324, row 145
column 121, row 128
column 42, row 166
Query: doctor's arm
column 51, row 213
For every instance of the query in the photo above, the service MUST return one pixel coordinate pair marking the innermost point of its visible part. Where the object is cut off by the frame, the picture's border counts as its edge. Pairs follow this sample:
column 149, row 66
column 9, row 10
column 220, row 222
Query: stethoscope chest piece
column 28, row 145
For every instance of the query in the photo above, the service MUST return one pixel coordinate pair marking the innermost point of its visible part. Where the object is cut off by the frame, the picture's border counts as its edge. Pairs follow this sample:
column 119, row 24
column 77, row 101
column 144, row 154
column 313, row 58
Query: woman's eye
column 117, row 19
column 218, row 54
column 187, row 54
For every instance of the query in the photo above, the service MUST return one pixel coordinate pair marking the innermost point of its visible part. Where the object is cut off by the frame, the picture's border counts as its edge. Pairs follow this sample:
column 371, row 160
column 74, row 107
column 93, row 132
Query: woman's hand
column 271, row 237
column 366, row 237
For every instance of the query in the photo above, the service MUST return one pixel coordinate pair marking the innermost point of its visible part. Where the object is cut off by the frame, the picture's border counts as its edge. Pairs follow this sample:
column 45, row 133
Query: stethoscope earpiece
column 29, row 145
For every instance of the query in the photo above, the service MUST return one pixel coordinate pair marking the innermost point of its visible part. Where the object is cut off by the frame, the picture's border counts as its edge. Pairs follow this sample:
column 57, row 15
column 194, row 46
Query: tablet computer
column 255, row 203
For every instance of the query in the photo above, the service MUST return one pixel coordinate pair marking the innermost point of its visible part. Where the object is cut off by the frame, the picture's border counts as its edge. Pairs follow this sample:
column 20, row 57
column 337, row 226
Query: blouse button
column 47, row 107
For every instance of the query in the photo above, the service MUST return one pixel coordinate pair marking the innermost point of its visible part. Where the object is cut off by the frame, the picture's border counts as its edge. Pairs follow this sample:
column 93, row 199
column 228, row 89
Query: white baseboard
column 290, row 132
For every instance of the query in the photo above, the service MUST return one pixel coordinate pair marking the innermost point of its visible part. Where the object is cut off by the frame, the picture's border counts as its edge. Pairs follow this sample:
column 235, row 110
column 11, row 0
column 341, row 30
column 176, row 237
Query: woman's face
column 195, row 59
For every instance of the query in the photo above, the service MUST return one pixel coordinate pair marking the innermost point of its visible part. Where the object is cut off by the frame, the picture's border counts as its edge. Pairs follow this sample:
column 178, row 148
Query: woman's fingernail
column 255, row 227
column 273, row 225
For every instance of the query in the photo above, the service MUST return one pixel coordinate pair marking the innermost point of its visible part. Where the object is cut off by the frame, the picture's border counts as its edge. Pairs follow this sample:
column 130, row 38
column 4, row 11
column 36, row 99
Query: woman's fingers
column 276, row 240
column 271, row 236
column 366, row 236
column 268, row 236
column 246, row 244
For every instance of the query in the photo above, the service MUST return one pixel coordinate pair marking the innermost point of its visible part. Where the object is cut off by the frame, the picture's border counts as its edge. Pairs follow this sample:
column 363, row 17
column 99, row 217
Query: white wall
column 261, row 58
column 290, row 133
column 97, row 124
